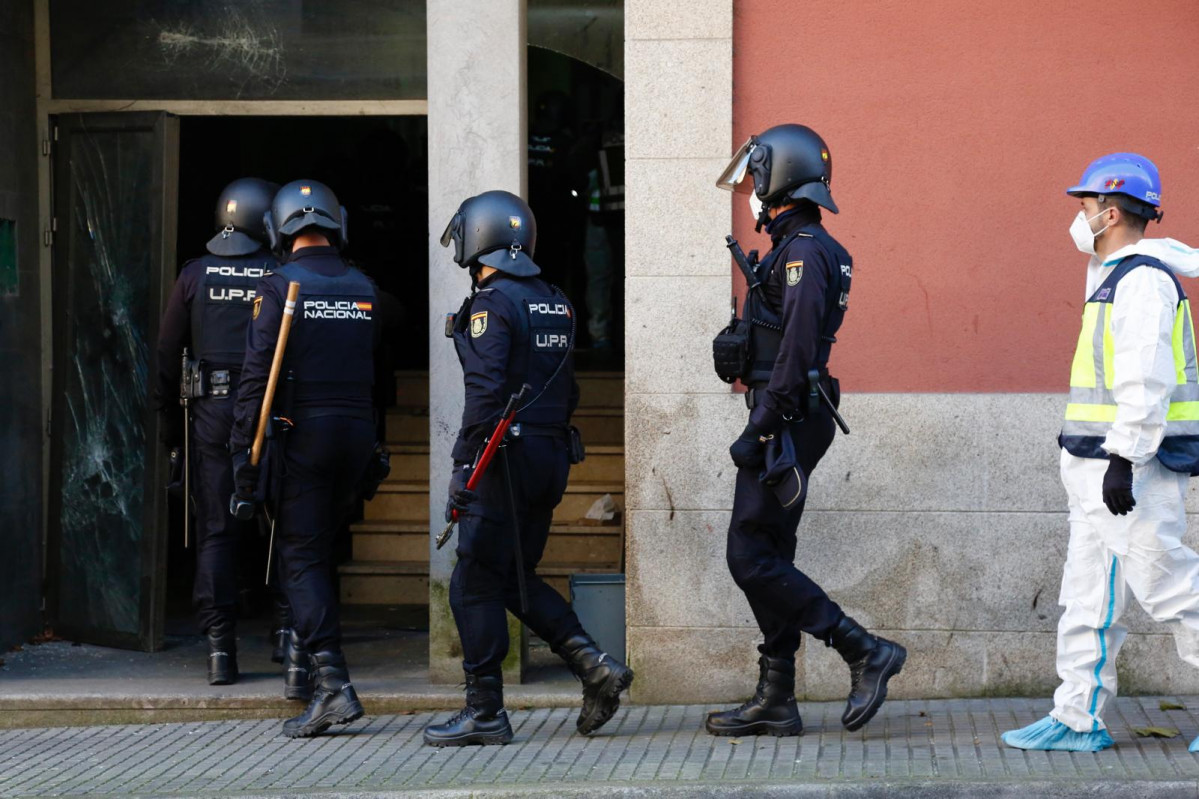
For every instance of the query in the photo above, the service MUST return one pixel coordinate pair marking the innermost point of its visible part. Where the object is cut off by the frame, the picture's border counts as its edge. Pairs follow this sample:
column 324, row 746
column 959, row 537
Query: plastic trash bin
column 598, row 600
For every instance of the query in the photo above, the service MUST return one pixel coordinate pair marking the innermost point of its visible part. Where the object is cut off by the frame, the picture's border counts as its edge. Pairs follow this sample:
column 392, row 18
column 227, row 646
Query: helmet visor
column 733, row 176
column 453, row 233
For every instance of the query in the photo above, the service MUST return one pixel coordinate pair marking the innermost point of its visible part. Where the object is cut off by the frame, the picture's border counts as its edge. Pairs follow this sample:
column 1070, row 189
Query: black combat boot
column 872, row 662
column 297, row 669
column 603, row 678
column 333, row 698
column 280, row 627
column 771, row 710
column 222, row 653
column 483, row 721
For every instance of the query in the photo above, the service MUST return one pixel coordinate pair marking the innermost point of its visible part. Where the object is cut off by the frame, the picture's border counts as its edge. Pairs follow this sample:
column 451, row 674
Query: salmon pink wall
column 954, row 128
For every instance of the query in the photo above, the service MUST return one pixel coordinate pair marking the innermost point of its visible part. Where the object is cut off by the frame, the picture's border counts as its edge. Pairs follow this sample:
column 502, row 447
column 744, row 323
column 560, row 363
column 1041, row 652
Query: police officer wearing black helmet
column 207, row 313
column 514, row 329
column 322, row 463
column 790, row 320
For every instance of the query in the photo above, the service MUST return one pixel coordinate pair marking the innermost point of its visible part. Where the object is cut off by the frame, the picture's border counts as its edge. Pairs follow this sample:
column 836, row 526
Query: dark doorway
column 377, row 166
column 576, row 191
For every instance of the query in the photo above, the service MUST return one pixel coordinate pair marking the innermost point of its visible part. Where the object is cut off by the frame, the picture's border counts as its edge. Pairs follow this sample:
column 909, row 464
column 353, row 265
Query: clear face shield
column 733, row 176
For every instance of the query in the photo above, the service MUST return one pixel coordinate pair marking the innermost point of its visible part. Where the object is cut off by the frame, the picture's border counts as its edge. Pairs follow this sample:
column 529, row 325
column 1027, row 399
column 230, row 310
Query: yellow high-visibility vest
column 1092, row 407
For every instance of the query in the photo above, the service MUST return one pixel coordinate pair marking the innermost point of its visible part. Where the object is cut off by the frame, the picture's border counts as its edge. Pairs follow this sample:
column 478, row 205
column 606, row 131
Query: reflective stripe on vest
column 1092, row 407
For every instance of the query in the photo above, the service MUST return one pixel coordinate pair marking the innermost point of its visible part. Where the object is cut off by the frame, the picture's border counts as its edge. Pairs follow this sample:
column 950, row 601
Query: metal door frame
column 48, row 106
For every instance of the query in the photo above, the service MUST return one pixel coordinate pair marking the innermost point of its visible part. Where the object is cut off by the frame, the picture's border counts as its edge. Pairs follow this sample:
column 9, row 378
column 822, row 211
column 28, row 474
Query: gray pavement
column 60, row 683
column 913, row 748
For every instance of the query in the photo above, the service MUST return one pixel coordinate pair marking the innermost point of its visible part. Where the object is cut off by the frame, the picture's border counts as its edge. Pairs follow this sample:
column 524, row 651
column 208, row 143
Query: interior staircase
column 390, row 564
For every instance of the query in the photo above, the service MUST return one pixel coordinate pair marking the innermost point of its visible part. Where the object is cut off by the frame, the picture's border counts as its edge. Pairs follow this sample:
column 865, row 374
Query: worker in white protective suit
column 1129, row 444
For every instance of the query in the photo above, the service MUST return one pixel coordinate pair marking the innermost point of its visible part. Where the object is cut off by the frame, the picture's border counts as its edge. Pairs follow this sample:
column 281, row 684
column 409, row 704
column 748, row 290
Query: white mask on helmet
column 1084, row 237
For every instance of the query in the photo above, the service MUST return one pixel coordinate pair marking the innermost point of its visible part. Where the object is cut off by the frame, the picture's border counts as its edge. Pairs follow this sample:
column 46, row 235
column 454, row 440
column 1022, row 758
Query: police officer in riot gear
column 514, row 329
column 789, row 326
column 207, row 314
column 319, row 466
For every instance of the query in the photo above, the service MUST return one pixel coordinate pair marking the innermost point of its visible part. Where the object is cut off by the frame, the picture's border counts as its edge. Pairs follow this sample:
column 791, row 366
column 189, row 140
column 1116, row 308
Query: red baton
column 493, row 443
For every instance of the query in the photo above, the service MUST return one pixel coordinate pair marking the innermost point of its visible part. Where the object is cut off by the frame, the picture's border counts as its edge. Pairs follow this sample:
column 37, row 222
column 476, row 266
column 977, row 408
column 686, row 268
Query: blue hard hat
column 1127, row 174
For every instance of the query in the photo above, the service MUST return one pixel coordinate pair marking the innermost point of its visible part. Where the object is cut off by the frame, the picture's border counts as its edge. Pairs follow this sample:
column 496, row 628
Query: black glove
column 245, row 474
column 377, row 470
column 1117, row 486
column 749, row 450
column 460, row 495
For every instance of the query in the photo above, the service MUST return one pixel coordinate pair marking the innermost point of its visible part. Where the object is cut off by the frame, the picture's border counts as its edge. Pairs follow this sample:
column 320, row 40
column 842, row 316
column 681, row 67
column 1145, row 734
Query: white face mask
column 755, row 205
column 1084, row 237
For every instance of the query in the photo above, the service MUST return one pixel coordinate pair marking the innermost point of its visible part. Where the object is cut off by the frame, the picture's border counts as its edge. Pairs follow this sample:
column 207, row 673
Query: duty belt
column 304, row 414
column 524, row 430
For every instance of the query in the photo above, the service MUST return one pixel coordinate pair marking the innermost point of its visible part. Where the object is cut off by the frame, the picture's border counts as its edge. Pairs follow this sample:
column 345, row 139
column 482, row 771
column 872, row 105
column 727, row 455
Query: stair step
column 409, row 462
column 596, row 389
column 406, row 583
column 407, row 426
column 385, row 541
column 604, row 463
column 384, row 583
column 408, row 501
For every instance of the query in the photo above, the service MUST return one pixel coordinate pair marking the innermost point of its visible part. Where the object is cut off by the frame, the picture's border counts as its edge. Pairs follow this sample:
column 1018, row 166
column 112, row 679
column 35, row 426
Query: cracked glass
column 107, row 297
column 246, row 50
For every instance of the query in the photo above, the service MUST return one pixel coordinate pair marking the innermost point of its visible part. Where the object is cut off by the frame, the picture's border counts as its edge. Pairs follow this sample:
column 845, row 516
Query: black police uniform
column 330, row 360
column 512, row 331
column 803, row 289
column 208, row 312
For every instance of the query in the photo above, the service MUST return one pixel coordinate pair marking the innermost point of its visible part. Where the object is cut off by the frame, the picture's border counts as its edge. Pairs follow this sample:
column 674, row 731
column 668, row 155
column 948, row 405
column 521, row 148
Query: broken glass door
column 115, row 178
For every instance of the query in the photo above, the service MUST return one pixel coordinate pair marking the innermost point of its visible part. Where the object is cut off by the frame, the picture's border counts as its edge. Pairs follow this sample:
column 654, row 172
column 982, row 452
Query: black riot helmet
column 496, row 229
column 300, row 205
column 787, row 162
column 239, row 217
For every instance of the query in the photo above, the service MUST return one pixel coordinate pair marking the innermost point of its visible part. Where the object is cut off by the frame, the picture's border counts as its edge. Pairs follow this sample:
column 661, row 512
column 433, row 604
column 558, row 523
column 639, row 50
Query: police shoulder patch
column 794, row 272
column 478, row 324
column 257, row 306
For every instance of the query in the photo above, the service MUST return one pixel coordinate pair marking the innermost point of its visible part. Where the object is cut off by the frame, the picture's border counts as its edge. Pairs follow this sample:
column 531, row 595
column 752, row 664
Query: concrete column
column 477, row 142
column 679, row 418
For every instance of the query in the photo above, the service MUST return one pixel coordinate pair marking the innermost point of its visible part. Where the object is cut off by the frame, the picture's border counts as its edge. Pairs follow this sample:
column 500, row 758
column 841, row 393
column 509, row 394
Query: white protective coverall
column 1111, row 558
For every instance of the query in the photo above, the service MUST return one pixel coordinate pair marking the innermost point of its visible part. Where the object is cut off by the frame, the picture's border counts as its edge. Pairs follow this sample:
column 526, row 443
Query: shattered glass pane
column 246, row 50
column 107, row 301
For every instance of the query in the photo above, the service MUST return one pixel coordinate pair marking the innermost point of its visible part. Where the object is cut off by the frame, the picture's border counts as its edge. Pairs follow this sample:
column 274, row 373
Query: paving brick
column 947, row 748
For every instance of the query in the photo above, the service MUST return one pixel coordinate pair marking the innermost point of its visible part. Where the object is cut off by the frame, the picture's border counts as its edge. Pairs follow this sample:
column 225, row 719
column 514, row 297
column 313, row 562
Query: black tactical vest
column 766, row 323
column 221, row 308
column 543, row 338
column 330, row 350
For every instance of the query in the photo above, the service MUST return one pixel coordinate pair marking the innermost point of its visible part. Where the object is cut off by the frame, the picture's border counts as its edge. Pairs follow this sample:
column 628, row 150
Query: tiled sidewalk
column 913, row 748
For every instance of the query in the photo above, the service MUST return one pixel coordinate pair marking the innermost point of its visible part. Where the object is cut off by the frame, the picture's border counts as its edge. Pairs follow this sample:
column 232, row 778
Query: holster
column 191, row 381
column 574, row 444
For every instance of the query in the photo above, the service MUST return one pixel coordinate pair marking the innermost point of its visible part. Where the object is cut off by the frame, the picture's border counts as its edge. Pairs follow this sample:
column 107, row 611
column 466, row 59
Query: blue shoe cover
column 1049, row 734
column 1194, row 747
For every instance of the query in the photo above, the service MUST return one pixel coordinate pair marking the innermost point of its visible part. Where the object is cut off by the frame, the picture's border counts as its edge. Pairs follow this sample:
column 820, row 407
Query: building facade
column 954, row 129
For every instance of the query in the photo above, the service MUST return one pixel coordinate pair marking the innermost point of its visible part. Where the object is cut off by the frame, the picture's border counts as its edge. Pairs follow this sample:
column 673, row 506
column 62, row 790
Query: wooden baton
column 272, row 381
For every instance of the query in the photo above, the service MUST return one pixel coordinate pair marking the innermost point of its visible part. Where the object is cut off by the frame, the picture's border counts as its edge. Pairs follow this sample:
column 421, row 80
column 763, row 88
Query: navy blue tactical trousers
column 217, row 533
column 484, row 584
column 325, row 459
column 761, row 551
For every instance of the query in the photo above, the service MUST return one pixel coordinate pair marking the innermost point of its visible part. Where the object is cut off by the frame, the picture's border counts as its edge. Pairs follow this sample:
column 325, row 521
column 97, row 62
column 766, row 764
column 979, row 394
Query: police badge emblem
column 794, row 272
column 257, row 306
column 478, row 324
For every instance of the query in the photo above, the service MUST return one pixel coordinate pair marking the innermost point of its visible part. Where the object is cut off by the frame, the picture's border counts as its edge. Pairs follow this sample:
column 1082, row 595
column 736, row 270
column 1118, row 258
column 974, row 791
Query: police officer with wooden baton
column 332, row 447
